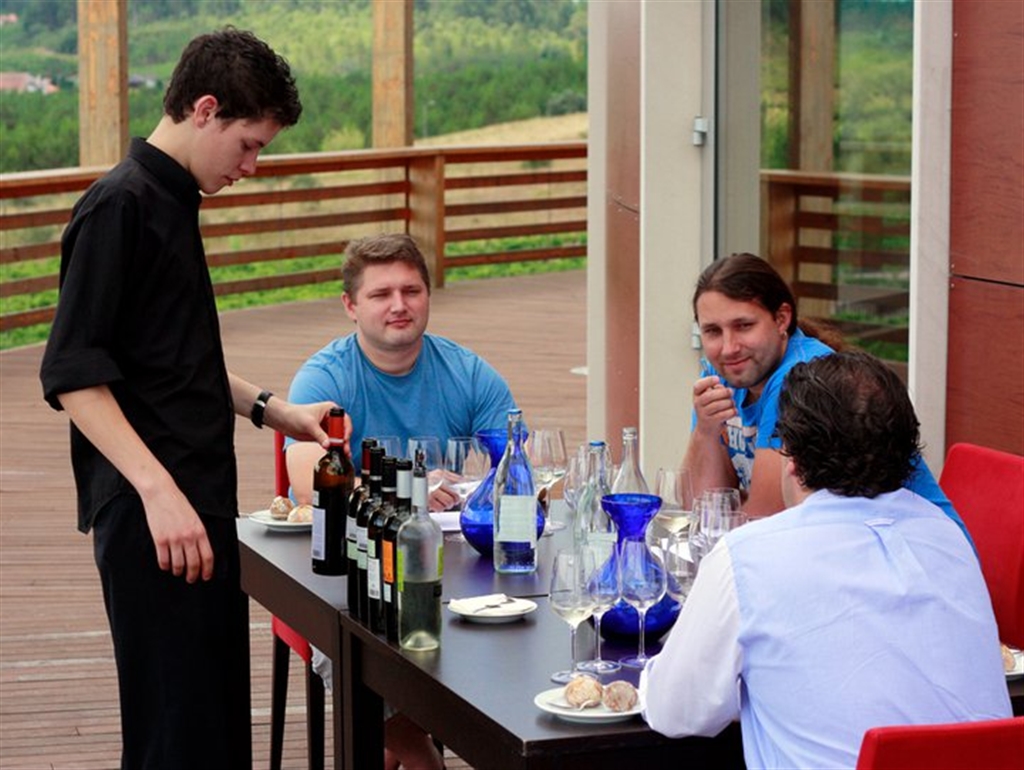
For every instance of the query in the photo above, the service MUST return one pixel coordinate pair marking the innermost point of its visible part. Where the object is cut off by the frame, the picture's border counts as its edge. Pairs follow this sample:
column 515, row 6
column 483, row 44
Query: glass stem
column 572, row 648
column 643, row 652
column 597, row 630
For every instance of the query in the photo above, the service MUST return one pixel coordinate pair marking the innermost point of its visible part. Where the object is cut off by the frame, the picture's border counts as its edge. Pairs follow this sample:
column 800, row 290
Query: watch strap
column 259, row 406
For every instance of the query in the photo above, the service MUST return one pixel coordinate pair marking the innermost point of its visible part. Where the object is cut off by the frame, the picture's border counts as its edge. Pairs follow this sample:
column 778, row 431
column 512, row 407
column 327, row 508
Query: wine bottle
column 333, row 480
column 389, row 552
column 374, row 543
column 630, row 478
column 591, row 520
column 420, row 565
column 355, row 500
column 515, row 505
column 366, row 511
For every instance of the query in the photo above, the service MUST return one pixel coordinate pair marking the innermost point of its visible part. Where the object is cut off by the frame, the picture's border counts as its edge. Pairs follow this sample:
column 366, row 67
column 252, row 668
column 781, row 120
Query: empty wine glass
column 643, row 583
column 680, row 564
column 603, row 587
column 569, row 599
column 466, row 462
column 575, row 477
column 545, row 449
column 432, row 460
column 392, row 445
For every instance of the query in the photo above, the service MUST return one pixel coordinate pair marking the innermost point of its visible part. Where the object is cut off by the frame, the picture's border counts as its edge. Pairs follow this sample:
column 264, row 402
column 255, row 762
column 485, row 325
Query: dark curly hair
column 847, row 423
column 749, row 278
column 249, row 80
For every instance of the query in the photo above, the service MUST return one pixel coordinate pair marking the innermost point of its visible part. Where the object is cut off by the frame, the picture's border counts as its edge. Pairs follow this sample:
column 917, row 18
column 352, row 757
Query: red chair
column 286, row 637
column 996, row 744
column 986, row 487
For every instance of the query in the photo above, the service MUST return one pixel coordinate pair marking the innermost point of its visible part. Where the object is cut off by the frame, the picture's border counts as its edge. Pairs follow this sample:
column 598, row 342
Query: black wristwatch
column 258, row 407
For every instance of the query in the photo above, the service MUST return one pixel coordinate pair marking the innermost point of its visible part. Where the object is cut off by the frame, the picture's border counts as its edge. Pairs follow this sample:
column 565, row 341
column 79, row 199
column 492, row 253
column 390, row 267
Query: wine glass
column 575, row 477
column 680, row 563
column 569, row 600
column 466, row 462
column 545, row 449
column 392, row 445
column 643, row 582
column 675, row 489
column 432, row 460
column 603, row 587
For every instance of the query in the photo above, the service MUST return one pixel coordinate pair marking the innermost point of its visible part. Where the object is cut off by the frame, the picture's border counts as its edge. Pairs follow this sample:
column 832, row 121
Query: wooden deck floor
column 58, row 691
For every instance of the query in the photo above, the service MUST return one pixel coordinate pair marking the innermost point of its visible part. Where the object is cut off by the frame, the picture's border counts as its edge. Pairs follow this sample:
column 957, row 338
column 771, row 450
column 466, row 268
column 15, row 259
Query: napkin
column 475, row 604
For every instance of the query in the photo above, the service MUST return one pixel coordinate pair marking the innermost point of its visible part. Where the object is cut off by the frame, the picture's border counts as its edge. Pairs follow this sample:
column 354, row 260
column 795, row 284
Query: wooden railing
column 465, row 206
column 842, row 240
column 843, row 243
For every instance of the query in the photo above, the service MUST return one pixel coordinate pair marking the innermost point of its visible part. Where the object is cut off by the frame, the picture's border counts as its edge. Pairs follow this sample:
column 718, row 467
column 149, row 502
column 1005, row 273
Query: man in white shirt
column 859, row 605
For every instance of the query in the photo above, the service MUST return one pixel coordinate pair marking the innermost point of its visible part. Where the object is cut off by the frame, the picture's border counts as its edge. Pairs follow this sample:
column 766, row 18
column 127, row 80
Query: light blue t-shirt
column 450, row 391
column 754, row 427
column 856, row 613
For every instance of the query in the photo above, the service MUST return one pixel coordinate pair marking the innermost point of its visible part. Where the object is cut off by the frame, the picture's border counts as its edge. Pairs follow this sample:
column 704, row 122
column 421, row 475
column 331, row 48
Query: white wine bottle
column 420, row 566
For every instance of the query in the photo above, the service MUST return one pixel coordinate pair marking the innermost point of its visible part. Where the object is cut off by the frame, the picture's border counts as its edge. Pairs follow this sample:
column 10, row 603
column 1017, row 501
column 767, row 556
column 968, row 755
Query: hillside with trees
column 477, row 62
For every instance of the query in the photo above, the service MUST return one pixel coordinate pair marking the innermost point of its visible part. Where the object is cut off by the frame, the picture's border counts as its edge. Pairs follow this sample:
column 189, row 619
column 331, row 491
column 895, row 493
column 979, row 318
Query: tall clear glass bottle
column 515, row 505
column 630, row 478
column 591, row 520
column 333, row 479
column 420, row 566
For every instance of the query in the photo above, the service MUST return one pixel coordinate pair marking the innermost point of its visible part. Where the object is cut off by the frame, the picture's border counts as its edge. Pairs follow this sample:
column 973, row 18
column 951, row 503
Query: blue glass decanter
column 631, row 513
column 477, row 517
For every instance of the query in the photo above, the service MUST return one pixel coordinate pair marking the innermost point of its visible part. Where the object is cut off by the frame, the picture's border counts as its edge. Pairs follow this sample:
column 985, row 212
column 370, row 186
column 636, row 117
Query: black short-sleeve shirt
column 136, row 312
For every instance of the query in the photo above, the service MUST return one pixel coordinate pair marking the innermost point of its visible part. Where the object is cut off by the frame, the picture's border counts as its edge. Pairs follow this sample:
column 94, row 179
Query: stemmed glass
column 432, row 460
column 680, row 564
column 569, row 599
column 465, row 464
column 575, row 477
column 392, row 445
column 675, row 489
column 603, row 587
column 643, row 583
column 719, row 512
column 545, row 448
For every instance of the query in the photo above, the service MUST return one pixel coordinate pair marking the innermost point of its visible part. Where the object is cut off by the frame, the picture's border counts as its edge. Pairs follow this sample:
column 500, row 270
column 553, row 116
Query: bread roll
column 280, row 508
column 619, row 696
column 301, row 514
column 583, row 692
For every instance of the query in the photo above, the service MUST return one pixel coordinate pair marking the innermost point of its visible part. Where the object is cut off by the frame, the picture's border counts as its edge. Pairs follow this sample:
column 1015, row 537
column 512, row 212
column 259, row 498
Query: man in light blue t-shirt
column 748, row 325
column 392, row 378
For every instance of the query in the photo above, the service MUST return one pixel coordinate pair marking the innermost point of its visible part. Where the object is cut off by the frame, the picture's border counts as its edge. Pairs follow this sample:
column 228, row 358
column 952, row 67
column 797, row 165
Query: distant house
column 25, row 82
column 8, row 18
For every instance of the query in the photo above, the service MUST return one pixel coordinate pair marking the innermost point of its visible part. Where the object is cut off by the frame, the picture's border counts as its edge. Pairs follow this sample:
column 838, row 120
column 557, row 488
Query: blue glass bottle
column 477, row 517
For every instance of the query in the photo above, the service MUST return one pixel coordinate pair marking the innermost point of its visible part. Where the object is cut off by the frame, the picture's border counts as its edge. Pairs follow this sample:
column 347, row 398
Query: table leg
column 364, row 729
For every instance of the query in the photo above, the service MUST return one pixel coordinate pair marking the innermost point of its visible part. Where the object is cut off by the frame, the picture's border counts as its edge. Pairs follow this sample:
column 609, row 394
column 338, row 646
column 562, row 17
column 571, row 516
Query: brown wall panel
column 985, row 389
column 622, row 222
column 987, row 186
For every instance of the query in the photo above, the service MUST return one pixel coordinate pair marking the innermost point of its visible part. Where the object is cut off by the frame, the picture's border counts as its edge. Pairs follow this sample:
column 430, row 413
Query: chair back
column 986, row 487
column 996, row 744
column 281, row 483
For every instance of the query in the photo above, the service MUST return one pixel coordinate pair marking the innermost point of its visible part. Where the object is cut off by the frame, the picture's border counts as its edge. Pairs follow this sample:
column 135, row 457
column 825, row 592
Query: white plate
column 278, row 525
column 551, row 701
column 1018, row 670
column 515, row 610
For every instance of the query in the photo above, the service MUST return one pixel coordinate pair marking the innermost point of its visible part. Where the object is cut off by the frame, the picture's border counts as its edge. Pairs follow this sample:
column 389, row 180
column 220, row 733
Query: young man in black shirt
column 135, row 359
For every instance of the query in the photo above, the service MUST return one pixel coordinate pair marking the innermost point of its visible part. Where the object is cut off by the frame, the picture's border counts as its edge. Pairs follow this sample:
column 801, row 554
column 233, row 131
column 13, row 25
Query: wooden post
column 102, row 82
column 426, row 211
column 812, row 103
column 392, row 73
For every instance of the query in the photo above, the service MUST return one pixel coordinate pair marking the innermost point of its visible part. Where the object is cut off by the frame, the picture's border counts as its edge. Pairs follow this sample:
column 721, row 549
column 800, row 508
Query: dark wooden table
column 476, row 693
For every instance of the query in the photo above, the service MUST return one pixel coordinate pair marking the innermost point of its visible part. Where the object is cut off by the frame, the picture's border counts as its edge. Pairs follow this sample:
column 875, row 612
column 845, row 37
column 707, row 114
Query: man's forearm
column 707, row 459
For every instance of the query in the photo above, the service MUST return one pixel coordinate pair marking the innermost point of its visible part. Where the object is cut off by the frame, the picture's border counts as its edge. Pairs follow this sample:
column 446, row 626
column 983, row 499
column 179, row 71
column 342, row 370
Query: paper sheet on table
column 474, row 604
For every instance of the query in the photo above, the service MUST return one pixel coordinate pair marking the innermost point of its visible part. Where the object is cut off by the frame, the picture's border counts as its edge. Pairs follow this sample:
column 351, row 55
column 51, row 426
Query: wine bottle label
column 516, row 519
column 373, row 578
column 388, row 558
column 318, row 542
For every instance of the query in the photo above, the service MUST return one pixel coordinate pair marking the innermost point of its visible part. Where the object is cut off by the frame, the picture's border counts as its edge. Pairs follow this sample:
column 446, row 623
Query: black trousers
column 182, row 650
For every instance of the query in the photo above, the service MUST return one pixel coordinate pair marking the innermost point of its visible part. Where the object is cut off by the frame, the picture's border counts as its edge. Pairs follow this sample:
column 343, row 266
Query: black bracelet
column 258, row 407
